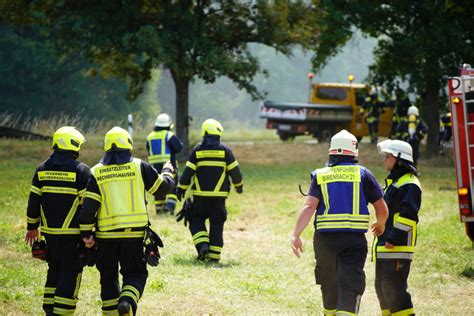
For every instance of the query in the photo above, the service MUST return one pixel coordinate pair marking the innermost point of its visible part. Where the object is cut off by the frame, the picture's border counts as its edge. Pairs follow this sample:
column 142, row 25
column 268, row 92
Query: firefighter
column 163, row 145
column 445, row 130
column 393, row 250
column 55, row 197
column 340, row 193
column 400, row 105
column 210, row 165
column 412, row 130
column 115, row 205
column 371, row 109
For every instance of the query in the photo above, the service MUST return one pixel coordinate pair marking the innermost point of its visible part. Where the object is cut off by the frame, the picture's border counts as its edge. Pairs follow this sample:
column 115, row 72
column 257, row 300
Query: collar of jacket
column 211, row 140
column 399, row 171
column 62, row 157
column 335, row 160
column 116, row 157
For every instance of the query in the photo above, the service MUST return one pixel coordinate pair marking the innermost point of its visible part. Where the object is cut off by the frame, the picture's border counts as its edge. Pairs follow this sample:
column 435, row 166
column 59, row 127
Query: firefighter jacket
column 403, row 198
column 162, row 145
column 114, row 202
column 209, row 167
column 373, row 106
column 344, row 190
column 414, row 122
column 55, row 196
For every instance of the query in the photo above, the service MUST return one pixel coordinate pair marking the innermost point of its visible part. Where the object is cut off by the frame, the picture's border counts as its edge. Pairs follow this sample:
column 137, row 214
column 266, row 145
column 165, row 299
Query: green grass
column 258, row 273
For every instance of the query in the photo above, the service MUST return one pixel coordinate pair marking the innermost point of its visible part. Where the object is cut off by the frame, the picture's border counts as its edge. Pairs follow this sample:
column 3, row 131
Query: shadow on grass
column 468, row 273
column 191, row 261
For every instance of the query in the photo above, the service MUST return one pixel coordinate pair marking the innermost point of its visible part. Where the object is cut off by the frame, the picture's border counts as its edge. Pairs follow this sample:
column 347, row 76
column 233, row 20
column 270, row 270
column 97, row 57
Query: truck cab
column 331, row 108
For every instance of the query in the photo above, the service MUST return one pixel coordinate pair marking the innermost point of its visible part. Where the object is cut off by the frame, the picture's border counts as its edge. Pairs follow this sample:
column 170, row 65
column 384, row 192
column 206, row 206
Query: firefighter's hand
column 168, row 165
column 89, row 242
column 377, row 228
column 31, row 236
column 388, row 245
column 296, row 245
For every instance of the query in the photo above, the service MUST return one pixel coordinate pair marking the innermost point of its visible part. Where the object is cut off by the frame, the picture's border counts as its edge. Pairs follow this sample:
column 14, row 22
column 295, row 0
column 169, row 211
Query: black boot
column 123, row 308
column 203, row 252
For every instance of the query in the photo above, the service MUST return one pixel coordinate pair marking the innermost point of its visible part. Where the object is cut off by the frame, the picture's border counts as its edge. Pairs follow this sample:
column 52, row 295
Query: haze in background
column 287, row 81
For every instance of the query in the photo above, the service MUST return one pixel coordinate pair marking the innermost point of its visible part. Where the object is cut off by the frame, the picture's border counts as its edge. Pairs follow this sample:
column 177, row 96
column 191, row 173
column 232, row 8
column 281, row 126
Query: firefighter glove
column 185, row 212
column 180, row 193
column 151, row 243
column 39, row 250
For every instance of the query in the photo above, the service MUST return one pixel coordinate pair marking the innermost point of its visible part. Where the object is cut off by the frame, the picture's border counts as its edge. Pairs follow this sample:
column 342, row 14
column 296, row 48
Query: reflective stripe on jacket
column 121, row 196
column 158, row 148
column 343, row 207
column 406, row 227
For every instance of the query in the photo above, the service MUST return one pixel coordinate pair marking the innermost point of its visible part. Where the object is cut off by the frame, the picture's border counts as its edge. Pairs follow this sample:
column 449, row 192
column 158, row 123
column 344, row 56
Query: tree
column 422, row 42
column 204, row 39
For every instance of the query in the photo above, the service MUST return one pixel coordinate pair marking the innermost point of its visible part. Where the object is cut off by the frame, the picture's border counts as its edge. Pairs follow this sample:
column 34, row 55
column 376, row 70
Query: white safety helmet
column 413, row 110
column 163, row 120
column 397, row 148
column 344, row 143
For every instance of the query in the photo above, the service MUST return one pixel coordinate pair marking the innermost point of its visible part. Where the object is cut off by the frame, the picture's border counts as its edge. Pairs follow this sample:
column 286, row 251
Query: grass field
column 258, row 273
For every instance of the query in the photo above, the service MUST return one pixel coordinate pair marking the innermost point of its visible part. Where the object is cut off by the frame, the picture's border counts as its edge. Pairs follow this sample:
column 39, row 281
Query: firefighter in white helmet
column 412, row 130
column 56, row 193
column 339, row 194
column 115, row 216
column 393, row 250
column 162, row 145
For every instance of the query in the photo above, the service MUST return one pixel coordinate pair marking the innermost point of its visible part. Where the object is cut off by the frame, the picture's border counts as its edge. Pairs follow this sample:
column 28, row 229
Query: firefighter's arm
column 175, row 144
column 407, row 218
column 88, row 212
column 381, row 215
column 158, row 184
column 234, row 172
column 306, row 213
column 188, row 173
column 33, row 214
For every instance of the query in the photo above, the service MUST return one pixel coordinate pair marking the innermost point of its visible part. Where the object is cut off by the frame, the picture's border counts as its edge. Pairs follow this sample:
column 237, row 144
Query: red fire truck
column 461, row 101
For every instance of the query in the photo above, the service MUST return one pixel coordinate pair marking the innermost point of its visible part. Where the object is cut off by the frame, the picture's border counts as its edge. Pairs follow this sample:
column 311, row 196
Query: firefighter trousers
column 391, row 284
column 340, row 259
column 126, row 253
column 168, row 203
column 214, row 210
column 63, row 279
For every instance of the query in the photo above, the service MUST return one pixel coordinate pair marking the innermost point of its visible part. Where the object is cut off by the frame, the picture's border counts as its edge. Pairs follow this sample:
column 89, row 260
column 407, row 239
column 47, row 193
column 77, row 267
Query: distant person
column 115, row 207
column 372, row 108
column 55, row 197
column 400, row 106
column 394, row 248
column 339, row 194
column 162, row 145
column 209, row 167
column 445, row 130
column 413, row 130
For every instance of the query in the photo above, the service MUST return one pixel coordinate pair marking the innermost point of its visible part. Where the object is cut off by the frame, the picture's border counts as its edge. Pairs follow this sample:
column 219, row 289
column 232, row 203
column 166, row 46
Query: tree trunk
column 181, row 85
column 431, row 113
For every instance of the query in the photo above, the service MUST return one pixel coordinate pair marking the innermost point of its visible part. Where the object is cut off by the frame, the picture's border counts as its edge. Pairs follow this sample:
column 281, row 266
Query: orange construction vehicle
column 461, row 101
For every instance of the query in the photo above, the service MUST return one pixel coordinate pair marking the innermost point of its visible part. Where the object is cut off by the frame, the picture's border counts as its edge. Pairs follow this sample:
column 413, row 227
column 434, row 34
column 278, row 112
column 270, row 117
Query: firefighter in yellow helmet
column 209, row 167
column 55, row 197
column 115, row 206
column 393, row 250
column 162, row 145
column 339, row 194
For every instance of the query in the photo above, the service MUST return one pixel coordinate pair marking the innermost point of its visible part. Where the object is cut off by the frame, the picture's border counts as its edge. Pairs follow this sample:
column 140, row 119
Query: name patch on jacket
column 338, row 174
column 110, row 173
column 57, row 176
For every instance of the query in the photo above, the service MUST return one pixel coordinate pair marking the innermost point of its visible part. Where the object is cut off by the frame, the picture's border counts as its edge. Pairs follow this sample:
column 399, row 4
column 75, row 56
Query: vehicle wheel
column 286, row 137
column 325, row 136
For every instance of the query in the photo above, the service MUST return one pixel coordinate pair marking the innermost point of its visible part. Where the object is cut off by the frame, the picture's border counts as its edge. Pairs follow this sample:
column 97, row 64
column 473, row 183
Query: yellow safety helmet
column 68, row 138
column 118, row 138
column 211, row 127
